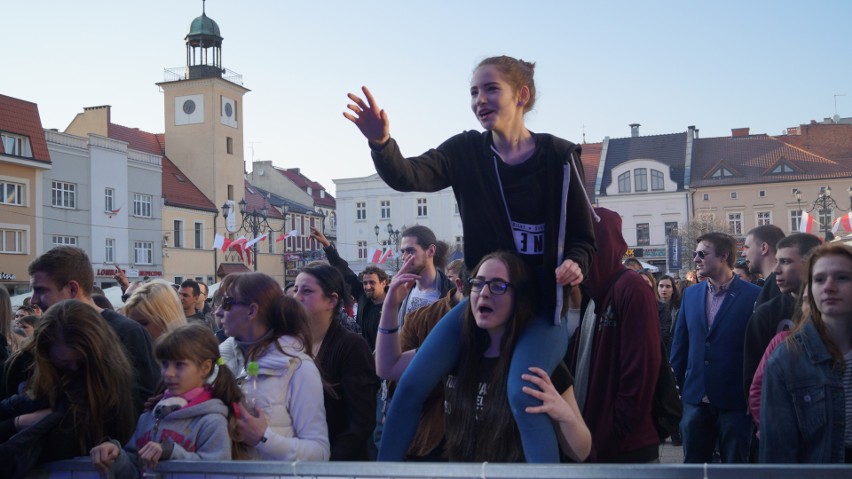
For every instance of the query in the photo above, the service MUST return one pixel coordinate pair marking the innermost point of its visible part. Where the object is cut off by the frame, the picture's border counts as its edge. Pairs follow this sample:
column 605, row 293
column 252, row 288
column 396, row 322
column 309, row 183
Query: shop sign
column 7, row 276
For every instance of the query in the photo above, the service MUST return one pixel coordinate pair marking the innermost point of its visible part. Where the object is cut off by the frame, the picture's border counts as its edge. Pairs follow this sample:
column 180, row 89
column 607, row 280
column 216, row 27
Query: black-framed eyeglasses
column 700, row 254
column 496, row 286
column 228, row 302
column 125, row 297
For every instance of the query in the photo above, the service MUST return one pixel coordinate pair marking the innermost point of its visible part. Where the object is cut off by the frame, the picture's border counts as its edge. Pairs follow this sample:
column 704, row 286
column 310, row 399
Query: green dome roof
column 203, row 25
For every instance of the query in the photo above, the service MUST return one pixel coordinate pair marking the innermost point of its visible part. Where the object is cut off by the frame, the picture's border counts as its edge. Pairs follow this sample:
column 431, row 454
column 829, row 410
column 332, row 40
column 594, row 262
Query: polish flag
column 808, row 224
column 845, row 221
column 259, row 238
column 386, row 256
column 287, row 235
column 374, row 255
column 218, row 241
column 238, row 246
column 226, row 243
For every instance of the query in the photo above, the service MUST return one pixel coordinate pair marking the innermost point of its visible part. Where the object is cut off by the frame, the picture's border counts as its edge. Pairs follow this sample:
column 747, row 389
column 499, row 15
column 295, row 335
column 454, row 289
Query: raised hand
column 317, row 235
column 368, row 117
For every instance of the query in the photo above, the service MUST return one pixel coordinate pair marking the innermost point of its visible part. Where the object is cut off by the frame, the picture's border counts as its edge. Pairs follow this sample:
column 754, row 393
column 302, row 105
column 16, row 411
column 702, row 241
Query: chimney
column 634, row 130
column 691, row 131
column 735, row 132
column 696, row 134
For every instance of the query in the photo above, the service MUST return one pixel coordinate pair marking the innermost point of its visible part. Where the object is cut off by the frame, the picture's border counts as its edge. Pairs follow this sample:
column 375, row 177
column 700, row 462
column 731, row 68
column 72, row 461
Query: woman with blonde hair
column 156, row 307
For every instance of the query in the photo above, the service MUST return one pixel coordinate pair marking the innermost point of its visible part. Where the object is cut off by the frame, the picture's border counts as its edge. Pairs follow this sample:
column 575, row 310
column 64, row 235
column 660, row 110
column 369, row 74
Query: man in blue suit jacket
column 707, row 355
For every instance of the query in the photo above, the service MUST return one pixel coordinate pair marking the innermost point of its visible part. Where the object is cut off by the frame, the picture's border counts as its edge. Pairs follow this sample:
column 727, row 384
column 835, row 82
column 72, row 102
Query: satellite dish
column 836, row 118
column 260, row 172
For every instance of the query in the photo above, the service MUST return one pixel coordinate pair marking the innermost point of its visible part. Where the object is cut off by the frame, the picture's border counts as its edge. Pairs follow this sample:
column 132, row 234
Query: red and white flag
column 259, row 238
column 374, row 255
column 845, row 221
column 287, row 235
column 238, row 246
column 808, row 224
column 386, row 256
column 218, row 241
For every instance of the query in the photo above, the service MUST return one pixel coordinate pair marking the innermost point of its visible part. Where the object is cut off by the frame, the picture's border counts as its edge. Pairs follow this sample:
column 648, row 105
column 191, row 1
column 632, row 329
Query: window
column 671, row 228
column 624, row 182
column 762, row 194
column 64, row 195
column 143, row 252
column 16, row 145
column 657, row 181
column 270, row 241
column 12, row 241
column 178, row 232
column 421, row 207
column 826, row 216
column 643, row 234
column 640, row 179
column 199, row 235
column 795, row 219
column 782, row 169
column 362, row 250
column 12, row 193
column 109, row 200
column 460, row 243
column 229, row 145
column 735, row 223
column 722, row 173
column 109, row 251
column 733, row 195
column 764, row 218
column 142, row 205
column 706, row 196
column 178, row 279
column 64, row 240
column 360, row 210
column 385, row 209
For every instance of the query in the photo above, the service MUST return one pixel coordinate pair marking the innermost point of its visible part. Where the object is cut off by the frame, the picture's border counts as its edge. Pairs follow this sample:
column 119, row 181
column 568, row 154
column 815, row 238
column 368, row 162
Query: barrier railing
column 82, row 469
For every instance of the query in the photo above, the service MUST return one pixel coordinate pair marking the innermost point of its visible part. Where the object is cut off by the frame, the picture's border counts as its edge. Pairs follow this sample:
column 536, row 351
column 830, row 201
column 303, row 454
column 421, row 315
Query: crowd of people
column 542, row 345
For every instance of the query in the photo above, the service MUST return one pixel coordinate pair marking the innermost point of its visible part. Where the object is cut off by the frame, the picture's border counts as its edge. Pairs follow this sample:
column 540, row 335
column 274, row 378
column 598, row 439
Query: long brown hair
column 284, row 315
column 197, row 343
column 105, row 373
column 498, row 439
column 829, row 249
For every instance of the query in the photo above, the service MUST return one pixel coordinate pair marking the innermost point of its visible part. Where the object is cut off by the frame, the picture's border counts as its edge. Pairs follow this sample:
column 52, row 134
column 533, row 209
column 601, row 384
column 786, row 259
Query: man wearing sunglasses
column 707, row 355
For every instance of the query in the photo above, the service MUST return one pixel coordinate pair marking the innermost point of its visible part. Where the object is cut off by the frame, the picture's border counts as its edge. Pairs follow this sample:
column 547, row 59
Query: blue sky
column 601, row 65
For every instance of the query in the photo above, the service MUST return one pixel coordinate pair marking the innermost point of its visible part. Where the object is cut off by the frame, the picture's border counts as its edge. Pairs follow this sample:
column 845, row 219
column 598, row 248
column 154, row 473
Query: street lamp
column 394, row 237
column 826, row 203
column 255, row 221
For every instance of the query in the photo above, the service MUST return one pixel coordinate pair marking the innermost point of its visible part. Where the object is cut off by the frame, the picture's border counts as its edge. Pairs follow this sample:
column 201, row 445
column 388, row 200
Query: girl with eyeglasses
column 518, row 191
column 478, row 423
column 270, row 329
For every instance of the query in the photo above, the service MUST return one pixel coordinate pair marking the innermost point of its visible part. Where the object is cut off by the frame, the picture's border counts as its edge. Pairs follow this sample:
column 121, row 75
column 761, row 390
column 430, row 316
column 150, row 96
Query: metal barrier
column 82, row 469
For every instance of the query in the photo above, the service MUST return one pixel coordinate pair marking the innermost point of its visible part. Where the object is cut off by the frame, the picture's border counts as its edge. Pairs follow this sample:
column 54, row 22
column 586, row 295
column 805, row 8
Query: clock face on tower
column 229, row 112
column 189, row 109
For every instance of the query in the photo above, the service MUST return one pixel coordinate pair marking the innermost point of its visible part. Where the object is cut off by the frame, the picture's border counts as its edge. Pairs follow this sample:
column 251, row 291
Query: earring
column 520, row 103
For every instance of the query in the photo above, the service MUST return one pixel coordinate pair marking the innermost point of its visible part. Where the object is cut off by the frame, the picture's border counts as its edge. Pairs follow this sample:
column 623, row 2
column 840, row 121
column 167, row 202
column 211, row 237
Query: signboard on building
column 674, row 253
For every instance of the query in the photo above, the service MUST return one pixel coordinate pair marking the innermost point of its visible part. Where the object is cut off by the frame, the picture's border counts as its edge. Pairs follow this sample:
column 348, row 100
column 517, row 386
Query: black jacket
column 769, row 319
column 467, row 164
column 357, row 289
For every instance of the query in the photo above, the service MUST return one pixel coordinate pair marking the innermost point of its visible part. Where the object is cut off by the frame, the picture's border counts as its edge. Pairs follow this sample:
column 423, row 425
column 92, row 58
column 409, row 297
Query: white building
column 367, row 202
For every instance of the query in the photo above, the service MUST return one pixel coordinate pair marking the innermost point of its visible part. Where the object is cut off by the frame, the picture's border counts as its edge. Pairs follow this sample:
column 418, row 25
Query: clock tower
column 203, row 116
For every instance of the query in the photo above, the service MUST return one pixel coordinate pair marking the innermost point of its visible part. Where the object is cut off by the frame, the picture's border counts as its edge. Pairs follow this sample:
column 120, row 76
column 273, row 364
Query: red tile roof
column 591, row 158
column 179, row 191
column 303, row 182
column 255, row 200
column 751, row 157
column 832, row 141
column 137, row 139
column 22, row 118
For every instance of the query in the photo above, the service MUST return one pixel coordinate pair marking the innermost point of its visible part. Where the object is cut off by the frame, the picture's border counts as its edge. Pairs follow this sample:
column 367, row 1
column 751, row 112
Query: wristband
column 388, row 331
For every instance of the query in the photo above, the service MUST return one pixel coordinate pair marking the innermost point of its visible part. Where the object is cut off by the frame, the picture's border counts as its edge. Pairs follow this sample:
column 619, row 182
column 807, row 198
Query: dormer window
column 722, row 173
column 624, row 182
column 16, row 145
column 782, row 169
column 640, row 179
column 310, row 190
column 657, row 181
column 322, row 193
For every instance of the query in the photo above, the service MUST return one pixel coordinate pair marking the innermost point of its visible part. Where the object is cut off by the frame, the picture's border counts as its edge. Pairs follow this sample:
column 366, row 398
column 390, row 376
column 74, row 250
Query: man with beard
column 759, row 250
column 707, row 355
